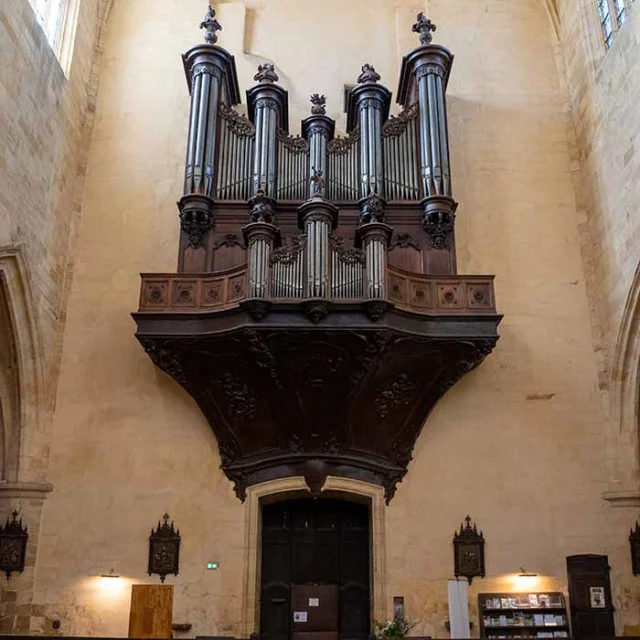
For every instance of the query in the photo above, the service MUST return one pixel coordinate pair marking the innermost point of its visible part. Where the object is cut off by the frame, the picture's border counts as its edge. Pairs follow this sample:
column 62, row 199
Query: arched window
column 613, row 14
column 58, row 19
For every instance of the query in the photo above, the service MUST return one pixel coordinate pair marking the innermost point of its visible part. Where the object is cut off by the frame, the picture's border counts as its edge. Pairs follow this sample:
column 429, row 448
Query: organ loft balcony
column 317, row 316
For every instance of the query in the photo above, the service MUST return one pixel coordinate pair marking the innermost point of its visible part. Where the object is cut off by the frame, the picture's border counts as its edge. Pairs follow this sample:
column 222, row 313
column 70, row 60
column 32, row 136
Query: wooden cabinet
column 523, row 615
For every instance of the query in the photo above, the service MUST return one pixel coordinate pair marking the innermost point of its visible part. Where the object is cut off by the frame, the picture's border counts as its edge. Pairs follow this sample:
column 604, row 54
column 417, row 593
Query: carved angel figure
column 369, row 74
column 211, row 25
column 317, row 183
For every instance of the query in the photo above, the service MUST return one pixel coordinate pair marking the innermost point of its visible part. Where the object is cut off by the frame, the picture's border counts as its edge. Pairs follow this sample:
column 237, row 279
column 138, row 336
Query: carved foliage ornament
column 397, row 125
column 293, row 143
column 195, row 224
column 164, row 549
column 318, row 104
column 237, row 123
column 439, row 224
column 229, row 240
column 403, row 241
column 424, row 27
column 429, row 69
column 211, row 25
column 341, row 145
column 369, row 75
column 288, row 253
column 13, row 545
column 346, row 255
column 634, row 541
column 266, row 73
column 468, row 551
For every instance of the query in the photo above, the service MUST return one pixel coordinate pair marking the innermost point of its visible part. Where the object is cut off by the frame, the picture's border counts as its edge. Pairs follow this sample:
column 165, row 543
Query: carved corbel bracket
column 196, row 217
column 438, row 219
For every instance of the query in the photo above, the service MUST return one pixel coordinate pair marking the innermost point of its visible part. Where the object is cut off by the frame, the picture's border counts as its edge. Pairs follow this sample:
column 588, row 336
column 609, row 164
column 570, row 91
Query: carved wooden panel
column 151, row 611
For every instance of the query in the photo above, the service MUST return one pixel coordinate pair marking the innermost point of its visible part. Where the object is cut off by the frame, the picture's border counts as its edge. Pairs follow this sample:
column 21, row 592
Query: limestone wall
column 518, row 443
column 604, row 90
column 45, row 120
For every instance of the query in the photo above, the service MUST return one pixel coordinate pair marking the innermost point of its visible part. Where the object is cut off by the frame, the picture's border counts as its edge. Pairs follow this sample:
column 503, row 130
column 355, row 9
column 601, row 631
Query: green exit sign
column 212, row 565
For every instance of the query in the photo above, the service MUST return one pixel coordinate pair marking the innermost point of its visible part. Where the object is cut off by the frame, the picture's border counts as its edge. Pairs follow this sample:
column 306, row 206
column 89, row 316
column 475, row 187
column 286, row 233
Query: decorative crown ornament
column 368, row 75
column 266, row 73
column 211, row 25
column 318, row 104
column 424, row 27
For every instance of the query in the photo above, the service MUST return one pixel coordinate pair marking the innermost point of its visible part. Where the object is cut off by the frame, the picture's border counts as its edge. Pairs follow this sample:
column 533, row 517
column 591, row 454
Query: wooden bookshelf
column 523, row 615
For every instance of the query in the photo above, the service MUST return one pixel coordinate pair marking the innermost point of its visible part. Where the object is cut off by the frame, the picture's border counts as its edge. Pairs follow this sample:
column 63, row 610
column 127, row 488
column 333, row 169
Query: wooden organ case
column 317, row 316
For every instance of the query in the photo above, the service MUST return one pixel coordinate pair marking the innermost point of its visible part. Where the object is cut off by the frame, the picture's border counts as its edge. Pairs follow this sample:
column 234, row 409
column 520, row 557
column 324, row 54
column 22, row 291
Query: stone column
column 318, row 129
column 368, row 109
column 317, row 218
column 423, row 78
column 211, row 77
column 268, row 110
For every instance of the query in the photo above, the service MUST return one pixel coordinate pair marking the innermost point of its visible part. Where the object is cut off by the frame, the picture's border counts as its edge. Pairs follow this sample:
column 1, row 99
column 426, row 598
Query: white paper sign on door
column 299, row 616
column 314, row 602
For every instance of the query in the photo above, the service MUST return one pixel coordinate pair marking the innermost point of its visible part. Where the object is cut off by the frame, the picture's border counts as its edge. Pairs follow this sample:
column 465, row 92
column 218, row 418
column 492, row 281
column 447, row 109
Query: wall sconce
column 525, row 574
column 634, row 542
column 13, row 545
column 111, row 574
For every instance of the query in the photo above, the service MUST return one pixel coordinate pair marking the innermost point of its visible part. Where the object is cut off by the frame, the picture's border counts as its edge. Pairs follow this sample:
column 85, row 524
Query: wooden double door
column 315, row 573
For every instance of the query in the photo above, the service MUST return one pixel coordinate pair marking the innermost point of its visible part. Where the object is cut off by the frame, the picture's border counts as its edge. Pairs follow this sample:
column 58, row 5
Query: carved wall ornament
column 439, row 224
column 211, row 25
column 262, row 208
column 317, row 310
column 318, row 104
column 375, row 309
column 316, row 183
column 241, row 400
column 195, row 223
column 263, row 355
column 237, row 123
column 372, row 209
column 468, row 549
column 634, row 542
column 397, row 125
column 258, row 309
column 229, row 240
column 395, row 393
column 318, row 366
column 13, row 545
column 369, row 103
column 164, row 549
column 403, row 241
column 368, row 75
column 266, row 73
column 424, row 27
column 296, row 144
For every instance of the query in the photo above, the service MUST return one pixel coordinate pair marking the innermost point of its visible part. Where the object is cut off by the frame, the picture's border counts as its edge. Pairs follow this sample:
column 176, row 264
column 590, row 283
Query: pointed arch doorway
column 315, row 569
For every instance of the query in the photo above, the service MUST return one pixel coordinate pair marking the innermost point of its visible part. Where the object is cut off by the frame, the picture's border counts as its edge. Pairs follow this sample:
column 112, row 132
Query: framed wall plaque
column 164, row 549
column 13, row 545
column 468, row 551
column 634, row 542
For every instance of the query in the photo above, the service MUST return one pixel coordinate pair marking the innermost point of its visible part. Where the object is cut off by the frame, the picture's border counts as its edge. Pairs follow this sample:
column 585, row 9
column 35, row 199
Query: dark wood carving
column 164, row 549
column 13, row 545
column 345, row 390
column 634, row 542
column 468, row 551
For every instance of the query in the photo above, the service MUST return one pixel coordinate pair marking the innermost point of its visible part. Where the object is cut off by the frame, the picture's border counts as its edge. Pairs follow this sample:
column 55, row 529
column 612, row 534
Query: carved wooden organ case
column 317, row 315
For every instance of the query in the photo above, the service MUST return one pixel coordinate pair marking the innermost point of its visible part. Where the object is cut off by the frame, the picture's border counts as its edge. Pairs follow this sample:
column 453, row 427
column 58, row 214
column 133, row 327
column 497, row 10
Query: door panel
column 151, row 611
column 316, row 544
column 590, row 596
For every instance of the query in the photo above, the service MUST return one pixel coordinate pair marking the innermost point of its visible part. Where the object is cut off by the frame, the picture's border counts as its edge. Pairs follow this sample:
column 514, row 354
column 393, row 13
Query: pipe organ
column 316, row 315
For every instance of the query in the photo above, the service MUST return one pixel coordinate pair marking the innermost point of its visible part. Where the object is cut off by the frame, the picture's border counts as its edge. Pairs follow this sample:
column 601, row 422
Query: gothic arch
column 625, row 405
column 21, row 359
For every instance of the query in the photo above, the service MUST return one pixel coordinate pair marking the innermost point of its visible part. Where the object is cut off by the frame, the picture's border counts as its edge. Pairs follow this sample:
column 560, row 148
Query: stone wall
column 603, row 89
column 518, row 443
column 45, row 120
